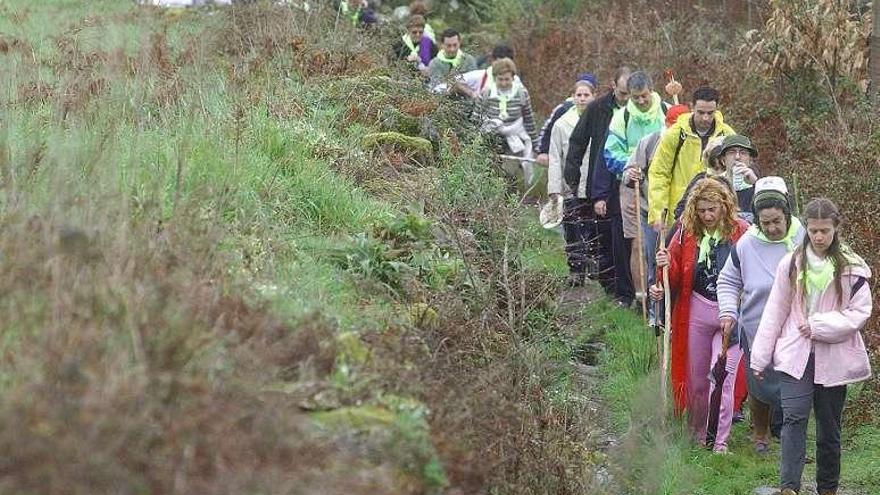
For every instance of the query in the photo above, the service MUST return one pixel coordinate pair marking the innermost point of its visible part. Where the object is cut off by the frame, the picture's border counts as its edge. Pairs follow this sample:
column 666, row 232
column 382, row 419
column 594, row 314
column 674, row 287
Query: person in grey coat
column 743, row 288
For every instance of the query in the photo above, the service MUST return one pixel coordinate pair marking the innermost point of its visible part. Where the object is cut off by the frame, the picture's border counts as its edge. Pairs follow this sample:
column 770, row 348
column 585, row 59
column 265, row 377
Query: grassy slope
column 652, row 455
column 206, row 275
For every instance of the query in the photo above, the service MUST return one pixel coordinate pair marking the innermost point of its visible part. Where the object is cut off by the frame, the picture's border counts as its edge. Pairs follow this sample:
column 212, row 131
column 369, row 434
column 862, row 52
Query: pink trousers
column 704, row 345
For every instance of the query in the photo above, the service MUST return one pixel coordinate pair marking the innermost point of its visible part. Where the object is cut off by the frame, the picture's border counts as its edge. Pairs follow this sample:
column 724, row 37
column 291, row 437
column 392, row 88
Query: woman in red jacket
column 697, row 251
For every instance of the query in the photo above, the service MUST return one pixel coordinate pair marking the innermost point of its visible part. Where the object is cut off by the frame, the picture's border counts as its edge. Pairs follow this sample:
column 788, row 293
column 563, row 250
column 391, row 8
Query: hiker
column 414, row 46
column 421, row 9
column 575, row 210
column 810, row 332
column 697, row 251
column 588, row 138
column 715, row 169
column 726, row 157
column 730, row 158
column 451, row 59
column 472, row 83
column 679, row 155
column 357, row 12
column 543, row 151
column 744, row 286
column 643, row 114
column 505, row 108
column 637, row 169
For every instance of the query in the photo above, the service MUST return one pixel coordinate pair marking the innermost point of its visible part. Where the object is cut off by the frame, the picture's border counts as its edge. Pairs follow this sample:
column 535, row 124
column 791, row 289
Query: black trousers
column 576, row 222
column 798, row 397
column 620, row 249
column 599, row 251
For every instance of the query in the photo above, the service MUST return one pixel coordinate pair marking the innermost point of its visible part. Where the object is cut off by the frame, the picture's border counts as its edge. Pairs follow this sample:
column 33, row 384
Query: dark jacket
column 547, row 129
column 590, row 132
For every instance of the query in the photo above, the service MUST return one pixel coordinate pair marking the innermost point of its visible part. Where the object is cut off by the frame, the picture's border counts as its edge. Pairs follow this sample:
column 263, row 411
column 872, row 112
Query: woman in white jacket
column 575, row 209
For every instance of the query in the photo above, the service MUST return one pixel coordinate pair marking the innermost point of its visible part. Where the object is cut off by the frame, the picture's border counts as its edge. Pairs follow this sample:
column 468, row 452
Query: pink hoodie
column 841, row 357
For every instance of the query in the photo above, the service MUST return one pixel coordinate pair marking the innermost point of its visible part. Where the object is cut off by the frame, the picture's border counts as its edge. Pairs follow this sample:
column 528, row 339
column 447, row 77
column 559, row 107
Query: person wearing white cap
column 744, row 286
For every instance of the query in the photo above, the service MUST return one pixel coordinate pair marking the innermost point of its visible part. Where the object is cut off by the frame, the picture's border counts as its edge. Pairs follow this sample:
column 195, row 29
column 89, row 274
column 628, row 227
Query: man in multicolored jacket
column 643, row 114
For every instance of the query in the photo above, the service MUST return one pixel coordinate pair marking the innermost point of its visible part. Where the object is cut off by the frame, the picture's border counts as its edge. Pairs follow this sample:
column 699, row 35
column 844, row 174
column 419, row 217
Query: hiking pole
column 658, row 308
column 668, row 318
column 641, row 253
column 516, row 158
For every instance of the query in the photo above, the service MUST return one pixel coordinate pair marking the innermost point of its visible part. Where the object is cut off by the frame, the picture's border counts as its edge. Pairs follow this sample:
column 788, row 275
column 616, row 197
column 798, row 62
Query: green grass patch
column 653, row 455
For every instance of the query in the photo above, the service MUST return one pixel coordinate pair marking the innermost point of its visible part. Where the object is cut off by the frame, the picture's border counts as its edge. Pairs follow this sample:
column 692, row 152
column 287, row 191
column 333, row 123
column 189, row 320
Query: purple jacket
column 841, row 357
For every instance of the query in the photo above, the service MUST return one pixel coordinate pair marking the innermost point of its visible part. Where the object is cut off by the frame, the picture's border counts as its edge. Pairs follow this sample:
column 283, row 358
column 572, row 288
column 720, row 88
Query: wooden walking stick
column 667, row 324
column 641, row 253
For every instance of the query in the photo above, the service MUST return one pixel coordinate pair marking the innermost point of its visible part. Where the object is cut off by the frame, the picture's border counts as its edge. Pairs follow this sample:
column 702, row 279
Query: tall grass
column 172, row 184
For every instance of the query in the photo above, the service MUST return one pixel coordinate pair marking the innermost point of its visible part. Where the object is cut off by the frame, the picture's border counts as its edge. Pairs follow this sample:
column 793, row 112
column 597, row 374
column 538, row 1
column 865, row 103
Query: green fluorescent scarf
column 789, row 236
column 454, row 62
column 640, row 123
column 653, row 114
column 503, row 99
column 354, row 15
column 818, row 277
column 407, row 40
column 706, row 244
column 574, row 110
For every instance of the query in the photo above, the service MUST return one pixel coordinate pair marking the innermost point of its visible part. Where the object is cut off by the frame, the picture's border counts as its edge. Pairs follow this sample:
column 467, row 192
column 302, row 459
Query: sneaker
column 720, row 450
column 788, row 491
column 738, row 416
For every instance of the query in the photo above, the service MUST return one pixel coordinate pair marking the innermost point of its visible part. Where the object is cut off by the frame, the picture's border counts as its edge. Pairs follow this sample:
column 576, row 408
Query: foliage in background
column 828, row 37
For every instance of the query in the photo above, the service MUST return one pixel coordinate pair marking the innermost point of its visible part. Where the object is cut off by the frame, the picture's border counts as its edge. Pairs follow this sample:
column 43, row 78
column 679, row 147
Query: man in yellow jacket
column 679, row 155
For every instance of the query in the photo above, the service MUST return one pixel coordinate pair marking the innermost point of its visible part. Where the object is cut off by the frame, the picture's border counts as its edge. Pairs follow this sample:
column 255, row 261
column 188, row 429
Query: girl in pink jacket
column 810, row 332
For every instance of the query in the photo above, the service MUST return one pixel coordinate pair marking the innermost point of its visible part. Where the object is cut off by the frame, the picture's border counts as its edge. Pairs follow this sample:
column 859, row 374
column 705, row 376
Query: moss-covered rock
column 416, row 148
column 394, row 430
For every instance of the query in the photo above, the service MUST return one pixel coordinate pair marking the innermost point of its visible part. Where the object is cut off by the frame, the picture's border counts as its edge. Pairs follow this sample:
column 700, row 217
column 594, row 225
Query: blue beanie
column 588, row 78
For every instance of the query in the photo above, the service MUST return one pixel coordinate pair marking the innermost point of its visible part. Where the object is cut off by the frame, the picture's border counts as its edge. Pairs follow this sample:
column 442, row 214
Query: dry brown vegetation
column 138, row 356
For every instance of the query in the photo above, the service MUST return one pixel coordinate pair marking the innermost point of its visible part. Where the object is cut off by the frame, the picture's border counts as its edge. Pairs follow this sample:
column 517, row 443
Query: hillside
column 243, row 253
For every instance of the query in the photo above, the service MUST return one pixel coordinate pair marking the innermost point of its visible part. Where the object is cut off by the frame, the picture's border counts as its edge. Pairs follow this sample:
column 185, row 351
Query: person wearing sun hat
column 731, row 159
column 744, row 286
column 738, row 155
column 543, row 158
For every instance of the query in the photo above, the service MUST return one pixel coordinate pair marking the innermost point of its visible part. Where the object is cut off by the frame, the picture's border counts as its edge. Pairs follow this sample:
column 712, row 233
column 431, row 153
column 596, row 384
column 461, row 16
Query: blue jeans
column 649, row 247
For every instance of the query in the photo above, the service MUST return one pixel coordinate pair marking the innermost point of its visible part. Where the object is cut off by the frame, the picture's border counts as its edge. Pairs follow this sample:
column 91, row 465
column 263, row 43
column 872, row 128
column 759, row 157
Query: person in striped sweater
column 505, row 108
